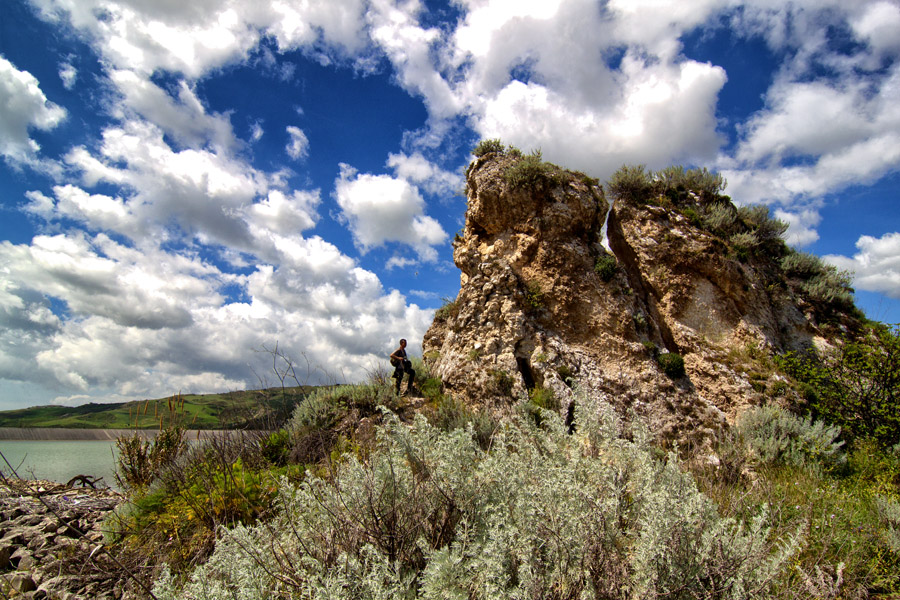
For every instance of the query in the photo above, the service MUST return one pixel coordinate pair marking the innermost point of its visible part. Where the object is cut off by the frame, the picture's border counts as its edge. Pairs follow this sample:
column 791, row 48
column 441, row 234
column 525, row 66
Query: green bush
column 488, row 146
column 543, row 514
column 534, row 295
column 831, row 287
column 448, row 311
column 759, row 220
column 531, row 171
column 501, row 382
column 721, row 219
column 632, row 183
column 700, row 181
column 803, row 265
column 743, row 244
column 855, row 386
column 776, row 436
column 672, row 364
column 140, row 461
column 606, row 267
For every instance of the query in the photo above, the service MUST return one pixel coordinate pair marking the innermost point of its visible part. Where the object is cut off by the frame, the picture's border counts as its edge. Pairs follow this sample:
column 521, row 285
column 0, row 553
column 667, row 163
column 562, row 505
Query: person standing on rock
column 402, row 365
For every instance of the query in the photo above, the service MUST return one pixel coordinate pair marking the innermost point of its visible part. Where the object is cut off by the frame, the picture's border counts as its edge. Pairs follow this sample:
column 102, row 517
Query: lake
column 60, row 460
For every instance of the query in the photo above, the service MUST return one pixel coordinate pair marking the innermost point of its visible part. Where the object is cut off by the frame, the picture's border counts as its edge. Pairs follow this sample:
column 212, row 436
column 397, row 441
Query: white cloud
column 193, row 38
column 802, row 226
column 876, row 267
column 184, row 118
column 417, row 169
column 284, row 215
column 23, row 106
column 298, row 144
column 380, row 209
column 68, row 74
column 256, row 132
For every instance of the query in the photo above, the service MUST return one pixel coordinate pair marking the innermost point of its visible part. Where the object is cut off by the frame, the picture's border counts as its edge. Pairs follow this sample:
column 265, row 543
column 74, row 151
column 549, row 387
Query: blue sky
column 184, row 184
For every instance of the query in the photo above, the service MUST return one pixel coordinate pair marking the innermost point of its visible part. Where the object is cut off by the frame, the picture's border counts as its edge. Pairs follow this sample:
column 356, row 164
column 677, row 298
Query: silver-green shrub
column 542, row 514
column 720, row 218
column 776, row 436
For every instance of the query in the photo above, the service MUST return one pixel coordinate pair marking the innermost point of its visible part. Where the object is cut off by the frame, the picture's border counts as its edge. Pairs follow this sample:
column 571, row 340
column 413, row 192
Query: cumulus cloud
column 381, row 209
column 24, row 106
column 876, row 267
column 425, row 174
column 298, row 144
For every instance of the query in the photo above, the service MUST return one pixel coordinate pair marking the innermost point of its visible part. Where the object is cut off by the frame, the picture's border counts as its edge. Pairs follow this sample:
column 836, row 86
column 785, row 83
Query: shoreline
column 59, row 434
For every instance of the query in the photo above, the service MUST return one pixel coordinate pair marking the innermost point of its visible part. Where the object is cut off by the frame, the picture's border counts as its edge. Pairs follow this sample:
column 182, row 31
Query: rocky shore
column 51, row 543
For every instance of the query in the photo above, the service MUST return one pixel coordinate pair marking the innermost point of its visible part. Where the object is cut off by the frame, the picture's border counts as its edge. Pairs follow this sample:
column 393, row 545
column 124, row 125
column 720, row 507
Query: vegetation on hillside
column 364, row 494
column 230, row 410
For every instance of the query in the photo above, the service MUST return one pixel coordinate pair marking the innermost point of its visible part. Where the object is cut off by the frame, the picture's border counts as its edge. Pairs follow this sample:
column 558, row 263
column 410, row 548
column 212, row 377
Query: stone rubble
column 40, row 540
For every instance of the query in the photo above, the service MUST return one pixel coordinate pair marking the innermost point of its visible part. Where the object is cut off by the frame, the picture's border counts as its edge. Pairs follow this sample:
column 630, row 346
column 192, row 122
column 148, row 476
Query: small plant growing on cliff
column 534, row 295
column 502, row 382
column 488, row 147
column 606, row 267
column 672, row 364
column 448, row 311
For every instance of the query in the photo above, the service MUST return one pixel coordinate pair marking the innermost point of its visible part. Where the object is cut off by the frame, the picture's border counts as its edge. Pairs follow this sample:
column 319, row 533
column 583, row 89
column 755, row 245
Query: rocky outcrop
column 537, row 308
column 51, row 542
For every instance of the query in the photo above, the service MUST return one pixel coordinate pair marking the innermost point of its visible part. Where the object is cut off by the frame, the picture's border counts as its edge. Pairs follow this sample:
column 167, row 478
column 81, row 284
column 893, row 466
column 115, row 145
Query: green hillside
column 230, row 410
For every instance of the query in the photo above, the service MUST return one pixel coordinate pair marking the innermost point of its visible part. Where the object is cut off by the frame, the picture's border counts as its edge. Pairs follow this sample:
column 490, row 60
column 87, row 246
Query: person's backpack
column 395, row 362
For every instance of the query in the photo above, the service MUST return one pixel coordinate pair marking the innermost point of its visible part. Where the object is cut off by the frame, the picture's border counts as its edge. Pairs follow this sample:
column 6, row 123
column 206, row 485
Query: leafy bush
column 775, row 436
column 606, row 267
column 543, row 514
column 855, row 386
column 672, row 364
column 488, row 146
column 632, row 183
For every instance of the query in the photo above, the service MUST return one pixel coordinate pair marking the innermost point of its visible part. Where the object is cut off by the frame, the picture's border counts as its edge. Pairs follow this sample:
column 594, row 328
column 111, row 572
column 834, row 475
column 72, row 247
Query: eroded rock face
column 533, row 312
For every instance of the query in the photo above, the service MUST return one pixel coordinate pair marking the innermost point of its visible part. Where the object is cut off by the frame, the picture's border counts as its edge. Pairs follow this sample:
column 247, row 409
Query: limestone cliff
column 548, row 301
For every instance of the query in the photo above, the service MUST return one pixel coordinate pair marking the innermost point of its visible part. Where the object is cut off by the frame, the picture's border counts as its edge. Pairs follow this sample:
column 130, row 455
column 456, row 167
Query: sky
column 192, row 191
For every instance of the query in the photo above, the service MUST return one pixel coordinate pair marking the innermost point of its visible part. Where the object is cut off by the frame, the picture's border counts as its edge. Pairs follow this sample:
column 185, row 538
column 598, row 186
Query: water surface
column 60, row 460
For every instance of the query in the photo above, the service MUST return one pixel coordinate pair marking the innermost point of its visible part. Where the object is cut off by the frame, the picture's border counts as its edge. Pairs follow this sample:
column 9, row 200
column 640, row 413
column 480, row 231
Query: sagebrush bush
column 775, row 436
column 631, row 183
column 720, row 218
column 802, row 264
column 758, row 218
column 543, row 514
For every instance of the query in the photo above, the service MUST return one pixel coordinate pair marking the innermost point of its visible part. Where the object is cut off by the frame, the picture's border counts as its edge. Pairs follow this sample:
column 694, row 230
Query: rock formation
column 559, row 290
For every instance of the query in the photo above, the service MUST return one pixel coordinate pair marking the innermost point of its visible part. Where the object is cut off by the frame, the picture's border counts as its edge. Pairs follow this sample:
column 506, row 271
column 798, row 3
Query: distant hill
column 230, row 410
